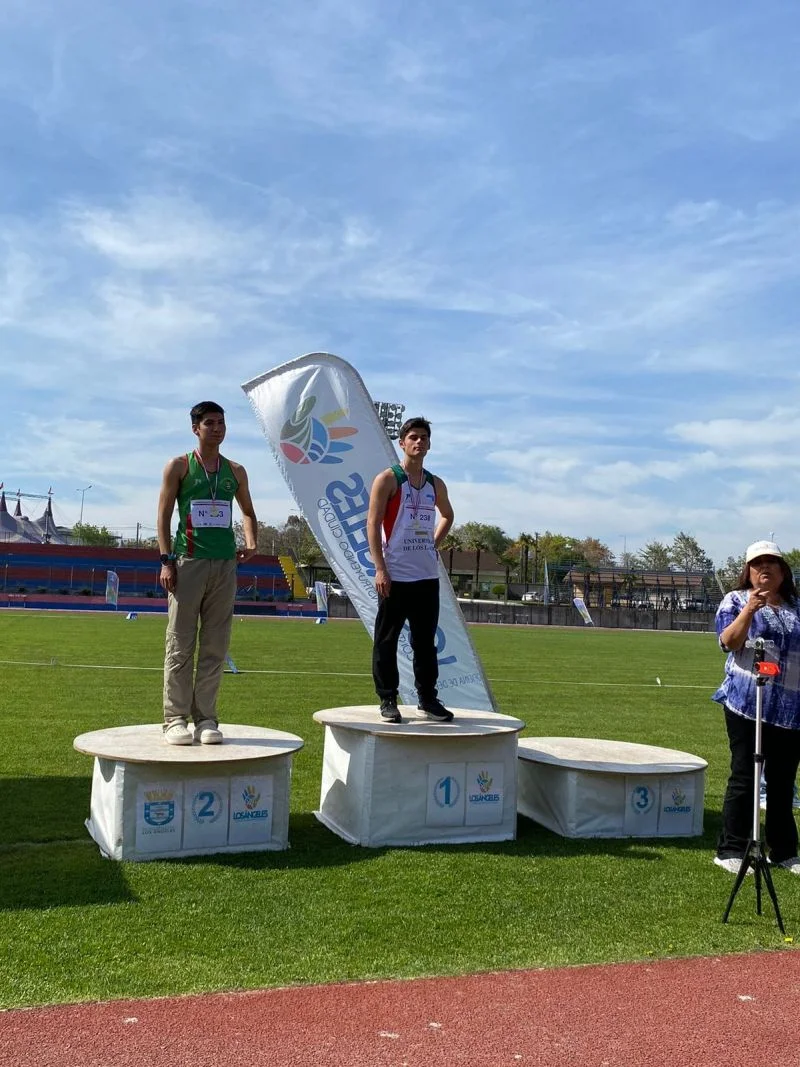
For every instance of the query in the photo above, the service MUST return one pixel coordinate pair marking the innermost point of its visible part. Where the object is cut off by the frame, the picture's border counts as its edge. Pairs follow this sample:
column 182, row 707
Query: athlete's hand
column 243, row 554
column 168, row 577
column 383, row 582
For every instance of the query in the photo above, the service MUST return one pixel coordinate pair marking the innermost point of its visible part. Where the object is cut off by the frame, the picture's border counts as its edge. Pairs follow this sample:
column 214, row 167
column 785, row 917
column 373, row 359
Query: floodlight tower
column 391, row 416
column 83, row 493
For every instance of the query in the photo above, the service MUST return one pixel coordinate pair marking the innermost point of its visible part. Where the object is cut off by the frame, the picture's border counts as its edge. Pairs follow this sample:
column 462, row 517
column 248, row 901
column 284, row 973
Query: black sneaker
column 435, row 709
column 390, row 711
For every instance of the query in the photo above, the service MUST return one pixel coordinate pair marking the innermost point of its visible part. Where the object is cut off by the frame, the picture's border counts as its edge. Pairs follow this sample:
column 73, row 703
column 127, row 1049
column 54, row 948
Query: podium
column 587, row 787
column 151, row 800
column 418, row 782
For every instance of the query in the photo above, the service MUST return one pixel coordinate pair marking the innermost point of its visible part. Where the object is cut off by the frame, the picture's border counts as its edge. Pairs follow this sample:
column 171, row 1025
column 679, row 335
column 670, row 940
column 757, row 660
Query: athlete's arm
column 445, row 509
column 170, row 484
column 383, row 489
column 249, row 521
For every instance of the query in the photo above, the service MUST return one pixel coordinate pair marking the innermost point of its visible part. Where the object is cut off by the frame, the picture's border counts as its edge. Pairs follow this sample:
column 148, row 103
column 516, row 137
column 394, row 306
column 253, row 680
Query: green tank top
column 205, row 530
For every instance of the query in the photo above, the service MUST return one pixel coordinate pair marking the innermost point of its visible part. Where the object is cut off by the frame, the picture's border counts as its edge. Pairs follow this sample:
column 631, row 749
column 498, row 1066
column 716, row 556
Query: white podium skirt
column 413, row 790
column 159, row 811
column 582, row 803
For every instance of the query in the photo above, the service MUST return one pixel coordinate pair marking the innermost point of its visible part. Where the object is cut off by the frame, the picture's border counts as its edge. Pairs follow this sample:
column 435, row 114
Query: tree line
column 524, row 556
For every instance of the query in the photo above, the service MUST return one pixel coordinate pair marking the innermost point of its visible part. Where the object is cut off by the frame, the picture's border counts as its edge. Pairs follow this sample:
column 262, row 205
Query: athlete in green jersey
column 205, row 496
column 198, row 573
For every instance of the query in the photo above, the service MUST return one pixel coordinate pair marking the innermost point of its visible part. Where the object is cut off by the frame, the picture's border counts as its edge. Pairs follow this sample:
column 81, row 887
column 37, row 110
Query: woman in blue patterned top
column 764, row 606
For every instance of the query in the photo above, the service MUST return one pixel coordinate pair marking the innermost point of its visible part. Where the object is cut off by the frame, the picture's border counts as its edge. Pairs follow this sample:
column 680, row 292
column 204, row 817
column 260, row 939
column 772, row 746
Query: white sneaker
column 176, row 733
column 208, row 733
column 732, row 864
column 792, row 864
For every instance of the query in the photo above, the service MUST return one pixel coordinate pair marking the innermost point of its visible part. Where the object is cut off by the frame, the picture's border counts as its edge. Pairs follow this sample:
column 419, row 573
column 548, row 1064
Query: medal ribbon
column 212, row 489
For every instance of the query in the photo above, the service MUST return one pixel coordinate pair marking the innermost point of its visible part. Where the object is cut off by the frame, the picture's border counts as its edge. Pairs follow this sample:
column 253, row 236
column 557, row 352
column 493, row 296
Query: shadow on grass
column 312, row 846
column 39, row 809
column 47, row 859
column 534, row 840
column 59, row 875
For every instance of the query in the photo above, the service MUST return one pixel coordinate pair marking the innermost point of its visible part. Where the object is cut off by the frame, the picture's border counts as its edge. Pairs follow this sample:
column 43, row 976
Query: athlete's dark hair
column 206, row 407
column 417, row 423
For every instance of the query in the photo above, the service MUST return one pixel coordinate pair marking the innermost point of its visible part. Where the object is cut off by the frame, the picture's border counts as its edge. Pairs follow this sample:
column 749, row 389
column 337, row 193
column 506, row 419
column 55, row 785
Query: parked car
column 334, row 589
column 531, row 598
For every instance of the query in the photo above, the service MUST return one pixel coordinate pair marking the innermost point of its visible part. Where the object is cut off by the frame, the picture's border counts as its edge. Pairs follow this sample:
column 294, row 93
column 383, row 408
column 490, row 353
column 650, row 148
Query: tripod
column 754, row 853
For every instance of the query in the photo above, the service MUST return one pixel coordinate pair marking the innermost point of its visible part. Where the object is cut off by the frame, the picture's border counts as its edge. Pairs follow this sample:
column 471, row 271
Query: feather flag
column 329, row 445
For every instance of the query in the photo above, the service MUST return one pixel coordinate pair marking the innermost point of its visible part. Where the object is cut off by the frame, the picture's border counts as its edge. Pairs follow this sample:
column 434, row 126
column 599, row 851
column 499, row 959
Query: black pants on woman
column 417, row 603
column 781, row 750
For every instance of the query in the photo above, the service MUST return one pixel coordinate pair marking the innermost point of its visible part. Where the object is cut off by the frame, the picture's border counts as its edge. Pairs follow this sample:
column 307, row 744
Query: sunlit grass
column 74, row 926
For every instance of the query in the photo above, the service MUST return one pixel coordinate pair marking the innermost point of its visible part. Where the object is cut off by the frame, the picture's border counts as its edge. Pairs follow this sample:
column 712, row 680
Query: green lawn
column 74, row 926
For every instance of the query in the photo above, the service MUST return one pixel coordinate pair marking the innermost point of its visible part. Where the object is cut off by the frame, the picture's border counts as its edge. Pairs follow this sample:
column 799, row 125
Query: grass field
column 74, row 926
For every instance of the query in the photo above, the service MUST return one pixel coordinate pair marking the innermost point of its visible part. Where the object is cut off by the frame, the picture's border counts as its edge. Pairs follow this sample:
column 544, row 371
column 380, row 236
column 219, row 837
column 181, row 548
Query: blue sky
column 567, row 233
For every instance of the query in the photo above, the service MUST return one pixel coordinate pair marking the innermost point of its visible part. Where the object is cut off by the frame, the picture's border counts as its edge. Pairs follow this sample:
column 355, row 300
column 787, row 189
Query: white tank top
column 408, row 529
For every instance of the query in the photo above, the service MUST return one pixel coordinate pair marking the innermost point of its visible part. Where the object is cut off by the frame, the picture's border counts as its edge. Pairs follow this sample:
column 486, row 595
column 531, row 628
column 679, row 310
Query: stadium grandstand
column 40, row 566
column 75, row 576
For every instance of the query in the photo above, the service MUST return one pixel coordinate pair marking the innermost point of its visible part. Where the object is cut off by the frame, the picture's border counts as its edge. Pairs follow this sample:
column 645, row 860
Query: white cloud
column 153, row 233
column 775, row 431
column 573, row 248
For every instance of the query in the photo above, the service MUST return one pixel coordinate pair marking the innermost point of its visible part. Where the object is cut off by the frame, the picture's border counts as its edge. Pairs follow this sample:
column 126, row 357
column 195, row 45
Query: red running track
column 733, row 1010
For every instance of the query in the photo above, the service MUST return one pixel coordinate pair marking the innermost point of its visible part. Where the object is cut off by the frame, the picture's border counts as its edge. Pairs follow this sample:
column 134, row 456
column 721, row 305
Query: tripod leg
column 746, row 864
column 772, row 893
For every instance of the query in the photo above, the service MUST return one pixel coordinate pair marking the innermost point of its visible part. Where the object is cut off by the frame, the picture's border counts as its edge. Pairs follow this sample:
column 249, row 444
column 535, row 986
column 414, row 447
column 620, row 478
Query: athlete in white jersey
column 404, row 535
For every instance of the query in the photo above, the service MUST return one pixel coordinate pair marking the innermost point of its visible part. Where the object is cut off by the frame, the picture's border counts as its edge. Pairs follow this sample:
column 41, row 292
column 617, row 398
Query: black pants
column 781, row 750
column 418, row 604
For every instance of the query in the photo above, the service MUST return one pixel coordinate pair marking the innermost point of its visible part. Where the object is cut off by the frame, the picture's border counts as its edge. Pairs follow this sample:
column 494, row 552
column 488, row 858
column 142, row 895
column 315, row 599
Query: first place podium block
column 418, row 782
column 151, row 800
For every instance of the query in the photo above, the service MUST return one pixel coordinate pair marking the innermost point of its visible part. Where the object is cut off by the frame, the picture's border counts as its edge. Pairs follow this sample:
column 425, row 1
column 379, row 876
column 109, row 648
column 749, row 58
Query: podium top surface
column 146, row 744
column 366, row 719
column 615, row 757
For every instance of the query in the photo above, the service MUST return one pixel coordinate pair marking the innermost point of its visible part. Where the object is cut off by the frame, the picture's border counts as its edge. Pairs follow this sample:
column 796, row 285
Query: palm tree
column 511, row 560
column 450, row 544
column 475, row 540
column 525, row 542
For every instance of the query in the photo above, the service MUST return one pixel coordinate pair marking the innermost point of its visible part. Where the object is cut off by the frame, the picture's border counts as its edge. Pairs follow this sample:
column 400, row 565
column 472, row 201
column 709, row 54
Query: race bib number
column 211, row 513
column 422, row 520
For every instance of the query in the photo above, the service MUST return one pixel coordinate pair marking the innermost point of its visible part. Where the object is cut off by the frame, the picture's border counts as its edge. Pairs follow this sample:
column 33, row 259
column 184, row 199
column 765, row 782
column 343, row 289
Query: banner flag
column 321, row 593
column 584, row 611
column 546, row 596
column 328, row 441
column 112, row 588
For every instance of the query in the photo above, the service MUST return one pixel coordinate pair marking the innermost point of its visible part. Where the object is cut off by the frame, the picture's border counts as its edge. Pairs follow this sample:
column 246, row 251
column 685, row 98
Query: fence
column 516, row 613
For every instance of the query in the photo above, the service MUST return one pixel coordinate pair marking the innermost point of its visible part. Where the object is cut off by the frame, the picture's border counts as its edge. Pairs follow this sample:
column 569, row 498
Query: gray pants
column 205, row 590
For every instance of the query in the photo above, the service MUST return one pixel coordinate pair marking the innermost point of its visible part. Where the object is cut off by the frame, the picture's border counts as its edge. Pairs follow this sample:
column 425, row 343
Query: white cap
column 762, row 548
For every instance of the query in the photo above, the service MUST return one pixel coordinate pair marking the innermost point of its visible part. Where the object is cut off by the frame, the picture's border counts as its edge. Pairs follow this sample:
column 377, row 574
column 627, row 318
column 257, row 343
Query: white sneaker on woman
column 733, row 863
column 792, row 864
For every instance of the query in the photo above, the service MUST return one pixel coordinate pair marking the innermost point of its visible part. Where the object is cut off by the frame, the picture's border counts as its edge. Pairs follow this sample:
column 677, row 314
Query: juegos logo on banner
column 308, row 439
column 329, row 444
